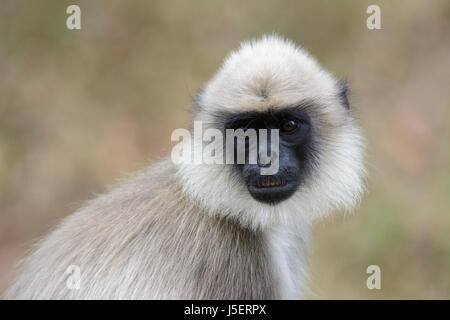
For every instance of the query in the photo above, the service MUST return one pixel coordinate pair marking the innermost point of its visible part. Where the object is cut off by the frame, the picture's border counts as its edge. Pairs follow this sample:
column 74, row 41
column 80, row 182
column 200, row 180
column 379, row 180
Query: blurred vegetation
column 80, row 108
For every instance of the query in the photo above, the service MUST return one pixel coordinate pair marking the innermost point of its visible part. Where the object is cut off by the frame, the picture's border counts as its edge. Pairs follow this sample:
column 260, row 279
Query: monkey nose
column 265, row 160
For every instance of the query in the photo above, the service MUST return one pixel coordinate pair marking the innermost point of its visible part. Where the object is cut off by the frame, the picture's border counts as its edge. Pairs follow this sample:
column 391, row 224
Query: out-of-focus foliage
column 80, row 108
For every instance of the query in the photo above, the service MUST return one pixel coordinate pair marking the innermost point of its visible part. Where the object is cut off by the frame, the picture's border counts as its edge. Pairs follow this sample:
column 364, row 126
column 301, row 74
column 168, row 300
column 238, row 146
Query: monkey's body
column 164, row 257
column 218, row 231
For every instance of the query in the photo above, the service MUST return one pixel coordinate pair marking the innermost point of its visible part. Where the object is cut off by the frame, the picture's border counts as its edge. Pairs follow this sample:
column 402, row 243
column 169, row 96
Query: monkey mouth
column 271, row 190
column 270, row 183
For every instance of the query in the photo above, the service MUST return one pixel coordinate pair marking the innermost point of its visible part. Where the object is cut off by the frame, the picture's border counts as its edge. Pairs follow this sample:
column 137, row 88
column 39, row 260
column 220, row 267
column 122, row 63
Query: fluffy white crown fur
column 272, row 72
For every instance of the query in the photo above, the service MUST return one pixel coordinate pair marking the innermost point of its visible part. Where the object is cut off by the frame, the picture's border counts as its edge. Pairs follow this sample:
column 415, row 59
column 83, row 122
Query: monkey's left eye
column 289, row 126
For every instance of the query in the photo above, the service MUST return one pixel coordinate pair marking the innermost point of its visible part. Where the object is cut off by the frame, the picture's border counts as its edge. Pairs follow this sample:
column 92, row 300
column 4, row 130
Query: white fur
column 289, row 248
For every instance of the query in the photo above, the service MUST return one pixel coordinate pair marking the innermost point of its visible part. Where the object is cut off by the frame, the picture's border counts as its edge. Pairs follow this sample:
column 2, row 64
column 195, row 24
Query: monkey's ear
column 343, row 94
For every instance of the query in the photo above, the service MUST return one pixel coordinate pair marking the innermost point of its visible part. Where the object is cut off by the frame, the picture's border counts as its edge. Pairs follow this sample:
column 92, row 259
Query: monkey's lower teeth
column 269, row 184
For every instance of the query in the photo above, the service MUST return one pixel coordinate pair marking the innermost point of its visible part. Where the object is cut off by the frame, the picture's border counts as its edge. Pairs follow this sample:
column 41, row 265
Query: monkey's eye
column 289, row 126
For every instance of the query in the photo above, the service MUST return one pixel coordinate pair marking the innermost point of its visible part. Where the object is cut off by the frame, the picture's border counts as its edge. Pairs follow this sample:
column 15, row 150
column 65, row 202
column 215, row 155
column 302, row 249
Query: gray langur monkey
column 198, row 231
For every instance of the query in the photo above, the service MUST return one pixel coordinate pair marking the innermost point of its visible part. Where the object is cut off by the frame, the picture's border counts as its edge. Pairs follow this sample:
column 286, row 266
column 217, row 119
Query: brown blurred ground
column 79, row 109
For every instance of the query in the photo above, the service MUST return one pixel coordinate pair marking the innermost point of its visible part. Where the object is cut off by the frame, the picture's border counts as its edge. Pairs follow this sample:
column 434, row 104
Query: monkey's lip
column 272, row 191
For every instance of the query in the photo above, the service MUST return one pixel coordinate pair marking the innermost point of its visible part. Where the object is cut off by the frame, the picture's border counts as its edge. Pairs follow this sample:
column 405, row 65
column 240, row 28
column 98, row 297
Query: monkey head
column 272, row 84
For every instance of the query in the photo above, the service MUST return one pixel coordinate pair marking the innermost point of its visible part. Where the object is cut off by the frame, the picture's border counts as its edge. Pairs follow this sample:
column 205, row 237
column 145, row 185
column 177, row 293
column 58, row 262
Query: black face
column 295, row 152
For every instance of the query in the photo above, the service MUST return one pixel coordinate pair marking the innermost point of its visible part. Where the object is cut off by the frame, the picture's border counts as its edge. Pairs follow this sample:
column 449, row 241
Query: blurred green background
column 79, row 109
